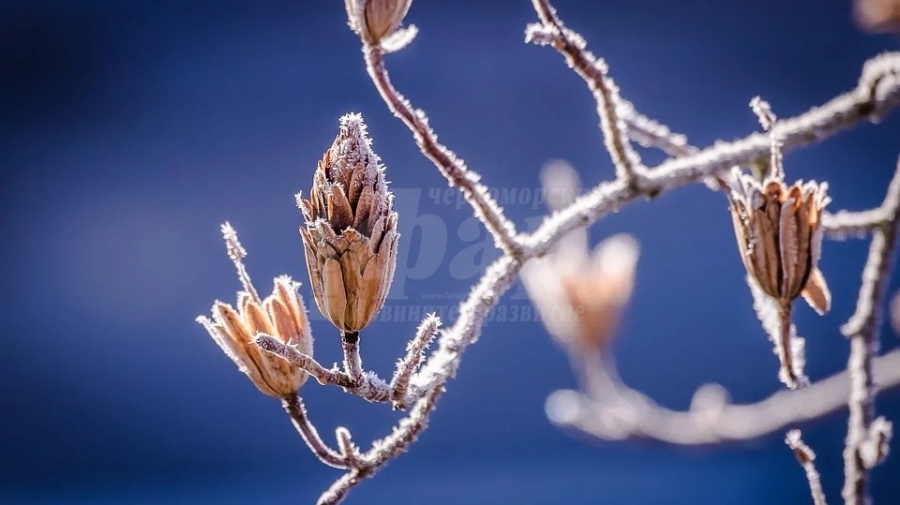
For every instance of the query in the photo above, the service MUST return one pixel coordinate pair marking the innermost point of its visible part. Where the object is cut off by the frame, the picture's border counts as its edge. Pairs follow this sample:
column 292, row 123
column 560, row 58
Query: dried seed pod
column 877, row 16
column 375, row 20
column 779, row 235
column 350, row 237
column 580, row 295
column 581, row 299
column 281, row 315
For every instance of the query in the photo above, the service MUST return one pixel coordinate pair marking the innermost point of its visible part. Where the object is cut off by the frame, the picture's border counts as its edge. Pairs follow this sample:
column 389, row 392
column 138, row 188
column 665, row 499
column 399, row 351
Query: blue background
column 131, row 130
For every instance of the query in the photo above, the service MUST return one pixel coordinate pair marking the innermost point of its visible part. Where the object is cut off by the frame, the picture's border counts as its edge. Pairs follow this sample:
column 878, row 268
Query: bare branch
column 593, row 70
column 349, row 451
column 877, row 94
column 453, row 168
column 369, row 386
column 295, row 409
column 414, row 355
column 806, row 458
column 651, row 133
column 618, row 412
column 862, row 329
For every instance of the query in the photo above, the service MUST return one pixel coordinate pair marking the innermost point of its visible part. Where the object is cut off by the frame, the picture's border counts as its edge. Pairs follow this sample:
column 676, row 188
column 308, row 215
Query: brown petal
column 257, row 321
column 370, row 285
column 816, row 292
column 765, row 251
column 377, row 234
column 335, row 299
column 351, row 274
column 280, row 315
column 790, row 250
column 340, row 215
column 366, row 211
column 739, row 217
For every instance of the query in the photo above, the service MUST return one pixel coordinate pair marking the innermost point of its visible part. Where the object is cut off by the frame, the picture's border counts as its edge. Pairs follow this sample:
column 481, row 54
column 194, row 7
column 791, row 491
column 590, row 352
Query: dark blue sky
column 130, row 130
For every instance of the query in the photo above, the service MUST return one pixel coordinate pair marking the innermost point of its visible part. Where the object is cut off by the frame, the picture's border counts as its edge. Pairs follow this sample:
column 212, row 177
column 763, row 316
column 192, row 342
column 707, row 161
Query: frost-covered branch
column 619, row 412
column 806, row 457
column 370, row 387
column 415, row 353
column 451, row 166
column 877, row 94
column 297, row 412
column 863, row 331
column 594, row 71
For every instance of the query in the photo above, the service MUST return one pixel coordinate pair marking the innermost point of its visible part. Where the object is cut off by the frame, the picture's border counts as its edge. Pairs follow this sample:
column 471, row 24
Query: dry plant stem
column 605, row 91
column 875, row 97
column 295, row 409
column 862, row 329
column 634, row 415
column 806, row 458
column 352, row 358
column 415, row 353
column 453, row 168
column 785, row 353
column 370, row 387
column 877, row 93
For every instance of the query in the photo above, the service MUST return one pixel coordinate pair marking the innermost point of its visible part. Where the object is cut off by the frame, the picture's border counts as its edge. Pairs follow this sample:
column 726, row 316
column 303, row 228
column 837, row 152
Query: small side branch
column 593, row 70
column 369, row 386
column 862, row 329
column 415, row 351
column 453, row 168
column 295, row 409
column 806, row 457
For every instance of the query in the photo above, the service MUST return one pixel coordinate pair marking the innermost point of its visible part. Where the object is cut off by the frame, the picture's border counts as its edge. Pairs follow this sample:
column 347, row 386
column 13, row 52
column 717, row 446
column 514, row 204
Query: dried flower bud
column 350, row 237
column 779, row 235
column 581, row 304
column 375, row 20
column 281, row 315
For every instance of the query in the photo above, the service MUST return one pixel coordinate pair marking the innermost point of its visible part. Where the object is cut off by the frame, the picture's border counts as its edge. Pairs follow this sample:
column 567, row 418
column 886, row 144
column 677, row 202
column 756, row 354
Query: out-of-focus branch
column 622, row 413
column 806, row 457
column 863, row 329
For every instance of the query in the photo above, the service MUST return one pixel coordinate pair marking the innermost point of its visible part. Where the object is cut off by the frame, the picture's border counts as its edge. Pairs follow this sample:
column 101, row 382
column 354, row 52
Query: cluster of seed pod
column 350, row 241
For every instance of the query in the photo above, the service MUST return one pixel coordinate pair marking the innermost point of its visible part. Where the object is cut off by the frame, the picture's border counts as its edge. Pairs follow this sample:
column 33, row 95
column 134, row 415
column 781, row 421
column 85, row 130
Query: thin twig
column 414, row 355
column 619, row 412
column 806, row 457
column 452, row 167
column 295, row 409
column 369, row 387
column 594, row 72
column 862, row 329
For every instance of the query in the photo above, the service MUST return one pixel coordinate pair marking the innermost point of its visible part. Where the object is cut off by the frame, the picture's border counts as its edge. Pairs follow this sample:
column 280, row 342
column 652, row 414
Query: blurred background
column 131, row 129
